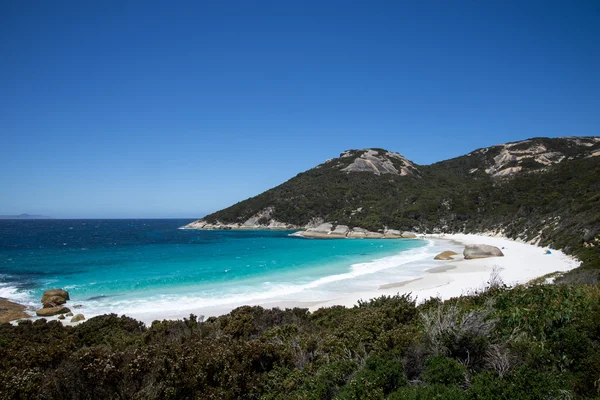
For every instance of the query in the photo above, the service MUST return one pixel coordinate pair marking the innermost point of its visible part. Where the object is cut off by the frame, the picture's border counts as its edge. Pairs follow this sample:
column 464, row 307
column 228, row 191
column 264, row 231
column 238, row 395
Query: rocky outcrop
column 261, row 220
column 341, row 230
column 445, row 255
column 329, row 231
column 51, row 311
column 363, row 233
column 481, row 251
column 10, row 311
column 77, row 318
column 379, row 162
column 53, row 301
column 530, row 155
column 54, row 297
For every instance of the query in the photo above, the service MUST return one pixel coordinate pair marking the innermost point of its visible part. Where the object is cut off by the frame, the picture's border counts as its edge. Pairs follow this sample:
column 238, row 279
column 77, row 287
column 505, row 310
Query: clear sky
column 176, row 109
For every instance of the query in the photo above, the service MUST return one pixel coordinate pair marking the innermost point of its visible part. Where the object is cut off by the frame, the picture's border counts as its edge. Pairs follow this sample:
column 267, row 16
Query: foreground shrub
column 445, row 371
column 379, row 377
column 523, row 383
column 430, row 392
column 458, row 333
column 522, row 343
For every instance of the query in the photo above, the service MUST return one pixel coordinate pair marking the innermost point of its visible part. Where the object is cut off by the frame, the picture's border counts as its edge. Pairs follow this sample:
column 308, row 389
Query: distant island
column 24, row 216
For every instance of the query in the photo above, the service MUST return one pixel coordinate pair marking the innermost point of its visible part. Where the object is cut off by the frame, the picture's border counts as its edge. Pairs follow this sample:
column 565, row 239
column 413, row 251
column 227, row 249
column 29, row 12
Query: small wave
column 13, row 293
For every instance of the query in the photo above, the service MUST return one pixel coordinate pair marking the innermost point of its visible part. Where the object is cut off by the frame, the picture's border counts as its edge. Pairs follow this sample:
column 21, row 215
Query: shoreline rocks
column 316, row 229
column 327, row 230
column 53, row 301
column 52, row 311
column 261, row 220
column 10, row 311
column 473, row 251
column 55, row 297
column 445, row 255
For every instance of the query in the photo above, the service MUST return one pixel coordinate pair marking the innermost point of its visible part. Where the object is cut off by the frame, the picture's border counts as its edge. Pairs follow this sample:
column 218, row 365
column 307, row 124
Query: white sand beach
column 521, row 263
column 423, row 278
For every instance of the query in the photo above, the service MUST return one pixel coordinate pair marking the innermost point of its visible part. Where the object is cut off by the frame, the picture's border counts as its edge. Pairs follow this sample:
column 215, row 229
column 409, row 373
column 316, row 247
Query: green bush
column 429, row 392
column 379, row 374
column 445, row 371
column 523, row 383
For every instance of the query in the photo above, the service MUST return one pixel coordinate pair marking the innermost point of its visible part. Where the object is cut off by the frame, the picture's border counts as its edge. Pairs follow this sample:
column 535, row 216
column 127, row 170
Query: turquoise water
column 135, row 266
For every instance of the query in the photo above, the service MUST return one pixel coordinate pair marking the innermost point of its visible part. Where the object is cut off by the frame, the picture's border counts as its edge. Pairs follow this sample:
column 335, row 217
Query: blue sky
column 176, row 109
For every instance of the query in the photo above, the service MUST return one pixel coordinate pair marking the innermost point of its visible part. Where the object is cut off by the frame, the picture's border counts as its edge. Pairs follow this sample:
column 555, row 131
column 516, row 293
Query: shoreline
column 522, row 262
column 424, row 278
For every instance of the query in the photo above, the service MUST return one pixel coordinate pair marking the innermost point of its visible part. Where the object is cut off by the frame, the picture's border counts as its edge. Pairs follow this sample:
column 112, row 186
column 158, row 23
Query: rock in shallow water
column 54, row 297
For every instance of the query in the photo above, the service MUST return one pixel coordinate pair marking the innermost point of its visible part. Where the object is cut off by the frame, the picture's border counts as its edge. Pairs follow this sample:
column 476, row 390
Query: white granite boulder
column 481, row 251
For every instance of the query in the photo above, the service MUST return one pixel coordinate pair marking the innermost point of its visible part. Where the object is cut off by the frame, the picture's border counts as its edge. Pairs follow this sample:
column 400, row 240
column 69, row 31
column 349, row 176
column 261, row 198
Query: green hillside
column 546, row 189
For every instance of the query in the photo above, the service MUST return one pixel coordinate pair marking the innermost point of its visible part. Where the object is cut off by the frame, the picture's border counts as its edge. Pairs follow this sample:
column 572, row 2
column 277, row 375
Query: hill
column 540, row 190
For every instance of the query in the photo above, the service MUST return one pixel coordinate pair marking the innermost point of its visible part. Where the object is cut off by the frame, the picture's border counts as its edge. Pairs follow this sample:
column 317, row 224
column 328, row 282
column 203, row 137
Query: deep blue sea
column 151, row 266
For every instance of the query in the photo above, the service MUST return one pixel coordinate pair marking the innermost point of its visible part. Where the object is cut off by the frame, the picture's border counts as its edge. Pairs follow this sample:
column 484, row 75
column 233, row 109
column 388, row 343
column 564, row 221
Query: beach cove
column 152, row 271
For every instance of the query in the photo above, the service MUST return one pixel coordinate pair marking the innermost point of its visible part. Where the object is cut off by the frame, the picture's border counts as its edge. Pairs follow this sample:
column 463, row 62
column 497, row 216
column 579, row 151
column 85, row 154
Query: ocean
column 151, row 267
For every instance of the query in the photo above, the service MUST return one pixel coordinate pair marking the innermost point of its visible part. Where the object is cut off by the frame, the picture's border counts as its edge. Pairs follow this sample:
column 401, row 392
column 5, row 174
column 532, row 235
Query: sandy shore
column 521, row 263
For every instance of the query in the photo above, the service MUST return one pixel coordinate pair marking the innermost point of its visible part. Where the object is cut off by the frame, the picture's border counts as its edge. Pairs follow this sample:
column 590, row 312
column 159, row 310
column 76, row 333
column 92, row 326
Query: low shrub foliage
column 537, row 342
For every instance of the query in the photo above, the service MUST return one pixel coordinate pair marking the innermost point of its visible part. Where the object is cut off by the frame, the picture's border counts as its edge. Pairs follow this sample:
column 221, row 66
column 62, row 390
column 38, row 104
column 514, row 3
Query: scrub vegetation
column 536, row 342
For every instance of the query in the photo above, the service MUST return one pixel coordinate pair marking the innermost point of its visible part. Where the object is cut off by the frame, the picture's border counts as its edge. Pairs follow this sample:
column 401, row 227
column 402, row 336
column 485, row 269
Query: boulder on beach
column 481, row 251
column 408, row 235
column 445, row 255
column 54, row 297
column 10, row 311
column 50, row 311
column 77, row 318
column 61, row 316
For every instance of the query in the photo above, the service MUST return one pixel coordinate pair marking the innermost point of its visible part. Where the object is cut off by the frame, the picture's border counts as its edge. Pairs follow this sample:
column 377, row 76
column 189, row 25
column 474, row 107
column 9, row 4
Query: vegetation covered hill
column 542, row 190
column 539, row 342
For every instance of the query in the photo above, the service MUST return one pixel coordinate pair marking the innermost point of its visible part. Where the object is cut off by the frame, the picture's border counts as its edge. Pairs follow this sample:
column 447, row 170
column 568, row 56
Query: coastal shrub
column 329, row 379
column 396, row 341
column 458, row 333
column 378, row 377
column 521, row 343
column 445, row 371
column 110, row 330
column 541, row 309
column 523, row 383
column 429, row 392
